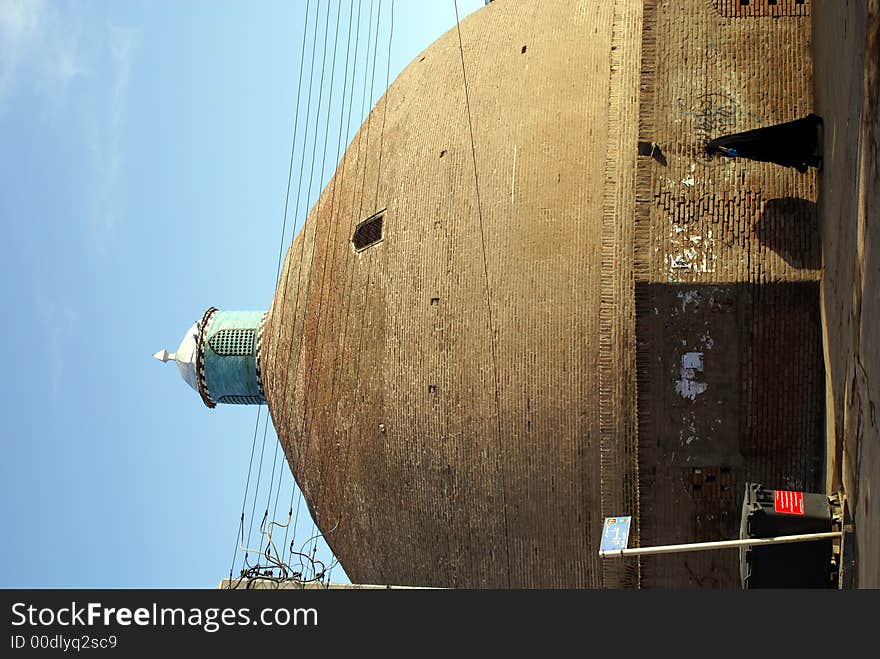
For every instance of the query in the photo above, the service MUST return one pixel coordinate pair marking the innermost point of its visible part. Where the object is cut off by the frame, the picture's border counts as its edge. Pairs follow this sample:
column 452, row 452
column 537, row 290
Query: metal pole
column 723, row 544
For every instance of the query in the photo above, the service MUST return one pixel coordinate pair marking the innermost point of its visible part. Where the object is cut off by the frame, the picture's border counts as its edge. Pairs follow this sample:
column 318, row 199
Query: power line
column 364, row 178
column 378, row 173
column 308, row 371
column 305, row 221
column 363, row 182
column 342, row 175
column 292, row 144
column 488, row 293
column 256, row 490
column 282, row 293
column 372, row 86
column 278, row 270
column 385, row 109
column 247, row 485
column 299, row 188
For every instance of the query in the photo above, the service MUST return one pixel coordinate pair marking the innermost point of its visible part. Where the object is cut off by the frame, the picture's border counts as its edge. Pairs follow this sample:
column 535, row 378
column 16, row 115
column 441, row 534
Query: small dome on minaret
column 185, row 356
column 219, row 357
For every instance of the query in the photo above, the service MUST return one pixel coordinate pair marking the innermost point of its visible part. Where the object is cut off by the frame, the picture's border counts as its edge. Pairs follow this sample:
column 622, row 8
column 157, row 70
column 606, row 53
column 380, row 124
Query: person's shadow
column 790, row 227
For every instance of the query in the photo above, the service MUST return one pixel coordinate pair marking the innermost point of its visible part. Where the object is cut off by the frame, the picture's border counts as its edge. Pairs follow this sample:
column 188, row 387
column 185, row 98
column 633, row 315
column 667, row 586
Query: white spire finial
column 164, row 356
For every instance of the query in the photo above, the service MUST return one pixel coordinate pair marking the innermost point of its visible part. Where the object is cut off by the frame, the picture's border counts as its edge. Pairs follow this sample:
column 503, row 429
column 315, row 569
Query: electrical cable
column 488, row 293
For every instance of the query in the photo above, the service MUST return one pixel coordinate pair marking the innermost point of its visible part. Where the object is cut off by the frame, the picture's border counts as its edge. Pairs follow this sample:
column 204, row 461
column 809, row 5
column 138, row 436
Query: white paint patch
column 688, row 432
column 689, row 254
column 693, row 360
column 707, row 342
column 687, row 386
column 689, row 297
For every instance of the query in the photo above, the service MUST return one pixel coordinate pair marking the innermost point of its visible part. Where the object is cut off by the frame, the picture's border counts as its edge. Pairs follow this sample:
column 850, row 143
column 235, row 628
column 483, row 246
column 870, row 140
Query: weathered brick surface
column 459, row 402
column 754, row 413
column 727, row 258
column 447, row 445
column 761, row 8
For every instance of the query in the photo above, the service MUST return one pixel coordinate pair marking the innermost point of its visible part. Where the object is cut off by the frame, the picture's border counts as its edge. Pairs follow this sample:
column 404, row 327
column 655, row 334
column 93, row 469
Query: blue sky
column 144, row 151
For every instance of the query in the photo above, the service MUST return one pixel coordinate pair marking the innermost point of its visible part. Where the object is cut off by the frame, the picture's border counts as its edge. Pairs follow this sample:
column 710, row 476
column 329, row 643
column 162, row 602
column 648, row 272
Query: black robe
column 792, row 144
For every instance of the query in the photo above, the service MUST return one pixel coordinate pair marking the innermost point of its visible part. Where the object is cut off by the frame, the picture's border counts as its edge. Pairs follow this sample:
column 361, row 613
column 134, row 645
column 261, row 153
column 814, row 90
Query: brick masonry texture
column 459, row 401
column 727, row 264
column 761, row 8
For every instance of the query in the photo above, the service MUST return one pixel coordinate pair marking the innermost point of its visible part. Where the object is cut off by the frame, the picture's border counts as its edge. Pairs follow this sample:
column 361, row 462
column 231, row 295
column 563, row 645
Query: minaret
column 219, row 357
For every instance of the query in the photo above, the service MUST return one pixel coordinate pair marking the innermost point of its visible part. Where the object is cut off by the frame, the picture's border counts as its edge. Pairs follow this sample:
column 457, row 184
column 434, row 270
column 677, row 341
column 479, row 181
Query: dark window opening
column 368, row 232
column 743, row 2
column 233, row 342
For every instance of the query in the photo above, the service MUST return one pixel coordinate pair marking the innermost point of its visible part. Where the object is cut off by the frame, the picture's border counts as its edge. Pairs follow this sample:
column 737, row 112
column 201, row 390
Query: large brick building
column 574, row 332
column 501, row 323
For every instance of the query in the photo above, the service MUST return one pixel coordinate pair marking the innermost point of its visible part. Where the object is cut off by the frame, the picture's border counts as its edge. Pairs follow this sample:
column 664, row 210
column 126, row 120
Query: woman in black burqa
column 795, row 144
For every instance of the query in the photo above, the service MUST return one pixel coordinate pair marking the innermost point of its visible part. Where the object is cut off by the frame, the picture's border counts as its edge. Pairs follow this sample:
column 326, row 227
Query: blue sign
column 615, row 533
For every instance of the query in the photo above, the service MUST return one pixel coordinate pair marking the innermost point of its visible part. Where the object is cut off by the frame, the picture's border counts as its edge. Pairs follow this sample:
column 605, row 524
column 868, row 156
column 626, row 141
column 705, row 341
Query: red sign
column 789, row 502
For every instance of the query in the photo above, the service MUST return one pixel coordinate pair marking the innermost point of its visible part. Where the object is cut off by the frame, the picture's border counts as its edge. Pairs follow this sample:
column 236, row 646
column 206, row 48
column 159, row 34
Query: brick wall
column 727, row 261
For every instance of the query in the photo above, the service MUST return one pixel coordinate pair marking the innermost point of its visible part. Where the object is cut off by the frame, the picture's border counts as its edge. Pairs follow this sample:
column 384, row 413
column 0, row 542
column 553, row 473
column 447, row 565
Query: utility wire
column 308, row 106
column 323, row 160
column 364, row 178
column 247, row 485
column 335, row 562
column 308, row 371
column 337, row 181
column 354, row 217
column 385, row 109
column 294, row 490
column 305, row 220
column 278, row 270
column 256, row 491
column 488, row 293
column 282, row 292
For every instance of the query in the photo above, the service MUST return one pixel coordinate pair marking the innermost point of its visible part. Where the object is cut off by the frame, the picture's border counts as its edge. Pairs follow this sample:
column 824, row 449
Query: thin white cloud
column 45, row 47
column 38, row 47
column 105, row 138
column 64, row 58
column 58, row 323
column 19, row 27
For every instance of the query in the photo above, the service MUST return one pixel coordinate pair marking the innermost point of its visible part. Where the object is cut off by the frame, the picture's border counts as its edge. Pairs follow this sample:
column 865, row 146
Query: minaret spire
column 164, row 356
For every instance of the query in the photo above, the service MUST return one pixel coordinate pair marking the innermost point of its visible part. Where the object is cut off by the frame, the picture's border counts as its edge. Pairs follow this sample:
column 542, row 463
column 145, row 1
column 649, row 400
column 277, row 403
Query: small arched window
column 233, row 342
